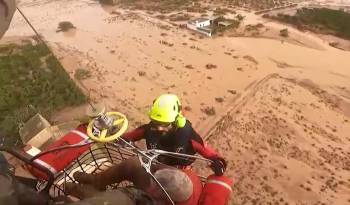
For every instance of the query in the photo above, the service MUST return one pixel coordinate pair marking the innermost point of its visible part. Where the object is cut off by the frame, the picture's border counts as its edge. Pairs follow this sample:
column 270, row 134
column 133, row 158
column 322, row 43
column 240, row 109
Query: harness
column 178, row 140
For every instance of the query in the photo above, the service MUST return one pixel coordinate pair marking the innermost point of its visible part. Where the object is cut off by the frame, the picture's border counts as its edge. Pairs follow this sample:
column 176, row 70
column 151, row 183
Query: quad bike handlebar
column 99, row 128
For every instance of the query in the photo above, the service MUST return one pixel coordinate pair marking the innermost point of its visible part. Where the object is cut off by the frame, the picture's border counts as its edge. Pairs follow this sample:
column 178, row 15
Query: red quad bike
column 96, row 146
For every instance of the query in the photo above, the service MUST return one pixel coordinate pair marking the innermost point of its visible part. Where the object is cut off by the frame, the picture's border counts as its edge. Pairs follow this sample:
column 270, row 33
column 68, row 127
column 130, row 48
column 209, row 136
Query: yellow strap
column 103, row 134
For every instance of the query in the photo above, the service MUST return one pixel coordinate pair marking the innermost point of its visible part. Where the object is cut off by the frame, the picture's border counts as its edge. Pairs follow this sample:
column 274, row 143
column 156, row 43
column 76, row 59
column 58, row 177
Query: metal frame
column 98, row 156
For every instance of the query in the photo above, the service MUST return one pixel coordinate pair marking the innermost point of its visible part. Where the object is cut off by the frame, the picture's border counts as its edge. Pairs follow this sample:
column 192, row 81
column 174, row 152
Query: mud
column 278, row 111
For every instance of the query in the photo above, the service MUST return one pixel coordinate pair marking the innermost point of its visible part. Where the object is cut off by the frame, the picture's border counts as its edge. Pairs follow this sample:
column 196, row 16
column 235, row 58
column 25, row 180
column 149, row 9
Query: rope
column 32, row 27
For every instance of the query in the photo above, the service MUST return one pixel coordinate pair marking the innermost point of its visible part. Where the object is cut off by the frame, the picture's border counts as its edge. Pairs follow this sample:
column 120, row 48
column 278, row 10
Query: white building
column 202, row 22
column 200, row 25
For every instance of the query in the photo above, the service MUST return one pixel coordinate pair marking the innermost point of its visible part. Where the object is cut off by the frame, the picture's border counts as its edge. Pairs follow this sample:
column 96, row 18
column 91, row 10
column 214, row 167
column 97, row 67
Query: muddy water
column 133, row 59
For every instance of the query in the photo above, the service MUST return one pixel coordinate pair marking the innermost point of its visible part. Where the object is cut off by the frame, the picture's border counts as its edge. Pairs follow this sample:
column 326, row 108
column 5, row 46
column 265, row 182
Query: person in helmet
column 169, row 130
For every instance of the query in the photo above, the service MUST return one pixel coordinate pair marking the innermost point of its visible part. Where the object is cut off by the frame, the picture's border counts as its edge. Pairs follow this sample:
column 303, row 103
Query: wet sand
column 278, row 111
column 287, row 141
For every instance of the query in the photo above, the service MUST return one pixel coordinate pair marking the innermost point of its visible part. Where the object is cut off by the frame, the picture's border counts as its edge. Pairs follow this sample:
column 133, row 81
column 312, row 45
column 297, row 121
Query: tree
column 284, row 32
column 239, row 17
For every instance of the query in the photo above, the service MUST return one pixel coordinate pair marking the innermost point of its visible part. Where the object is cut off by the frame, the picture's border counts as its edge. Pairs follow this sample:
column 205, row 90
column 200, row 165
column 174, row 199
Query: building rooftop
column 198, row 20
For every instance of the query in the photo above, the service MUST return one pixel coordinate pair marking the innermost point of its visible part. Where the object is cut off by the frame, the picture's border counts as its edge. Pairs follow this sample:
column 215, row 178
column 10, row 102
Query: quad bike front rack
column 104, row 151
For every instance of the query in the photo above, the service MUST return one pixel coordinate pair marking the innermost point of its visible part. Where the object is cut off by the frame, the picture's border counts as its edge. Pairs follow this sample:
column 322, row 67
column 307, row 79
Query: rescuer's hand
column 218, row 166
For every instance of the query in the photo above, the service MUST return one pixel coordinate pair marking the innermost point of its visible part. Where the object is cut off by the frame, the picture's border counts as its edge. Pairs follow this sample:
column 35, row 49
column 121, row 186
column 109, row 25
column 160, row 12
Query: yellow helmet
column 167, row 108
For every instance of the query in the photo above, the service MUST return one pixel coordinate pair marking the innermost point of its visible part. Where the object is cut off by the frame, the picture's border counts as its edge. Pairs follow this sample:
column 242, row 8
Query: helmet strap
column 180, row 121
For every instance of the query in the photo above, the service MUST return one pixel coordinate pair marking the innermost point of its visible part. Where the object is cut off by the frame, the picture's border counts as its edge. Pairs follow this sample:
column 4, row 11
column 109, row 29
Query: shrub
column 82, row 74
column 65, row 26
column 284, row 33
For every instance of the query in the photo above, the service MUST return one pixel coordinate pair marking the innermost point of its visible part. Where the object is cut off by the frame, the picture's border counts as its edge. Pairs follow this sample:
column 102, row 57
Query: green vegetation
column 162, row 6
column 322, row 20
column 334, row 44
column 222, row 11
column 65, row 26
column 231, row 24
column 258, row 4
column 239, row 17
column 108, row 2
column 254, row 27
column 32, row 80
column 284, row 33
column 82, row 74
column 179, row 17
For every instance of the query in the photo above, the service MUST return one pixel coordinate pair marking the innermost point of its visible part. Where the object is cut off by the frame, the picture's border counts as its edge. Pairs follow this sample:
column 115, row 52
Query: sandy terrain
column 278, row 110
column 288, row 143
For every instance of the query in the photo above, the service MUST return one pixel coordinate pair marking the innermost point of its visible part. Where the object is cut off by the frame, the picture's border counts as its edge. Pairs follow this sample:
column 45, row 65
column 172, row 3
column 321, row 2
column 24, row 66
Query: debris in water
column 141, row 73
column 82, row 74
column 209, row 111
column 189, row 67
column 232, row 92
column 210, row 66
column 219, row 99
